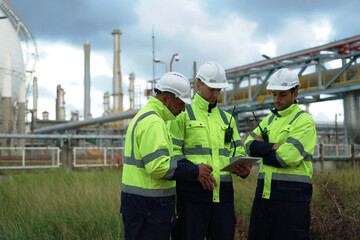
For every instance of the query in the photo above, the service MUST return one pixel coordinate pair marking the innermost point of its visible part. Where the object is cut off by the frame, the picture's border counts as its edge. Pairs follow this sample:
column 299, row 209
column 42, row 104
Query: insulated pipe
column 88, row 122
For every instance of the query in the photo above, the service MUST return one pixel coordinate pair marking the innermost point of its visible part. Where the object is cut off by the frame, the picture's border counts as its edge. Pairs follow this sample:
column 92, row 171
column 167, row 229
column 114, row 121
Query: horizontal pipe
column 88, row 122
column 60, row 136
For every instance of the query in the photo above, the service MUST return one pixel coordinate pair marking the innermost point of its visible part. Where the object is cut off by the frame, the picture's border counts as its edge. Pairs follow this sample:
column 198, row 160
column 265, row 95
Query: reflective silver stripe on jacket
column 148, row 192
column 224, row 152
column 190, row 112
column 271, row 118
column 131, row 160
column 178, row 142
column 287, row 177
column 198, row 150
column 297, row 144
column 296, row 116
column 247, row 146
column 179, row 157
column 223, row 116
column 280, row 160
column 237, row 143
column 170, row 172
column 158, row 153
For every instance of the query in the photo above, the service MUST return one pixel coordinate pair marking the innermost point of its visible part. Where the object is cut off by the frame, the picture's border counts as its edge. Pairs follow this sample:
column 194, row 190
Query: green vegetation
column 61, row 204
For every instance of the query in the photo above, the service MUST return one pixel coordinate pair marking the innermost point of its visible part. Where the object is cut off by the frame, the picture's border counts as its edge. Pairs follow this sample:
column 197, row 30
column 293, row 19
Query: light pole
column 336, row 127
column 177, row 58
column 157, row 60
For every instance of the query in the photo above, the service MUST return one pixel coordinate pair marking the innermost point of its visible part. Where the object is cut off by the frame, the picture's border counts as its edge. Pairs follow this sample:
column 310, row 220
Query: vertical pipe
column 60, row 109
column 118, row 105
column 20, row 123
column 6, row 95
column 106, row 103
column 87, row 113
column 132, row 91
column 35, row 97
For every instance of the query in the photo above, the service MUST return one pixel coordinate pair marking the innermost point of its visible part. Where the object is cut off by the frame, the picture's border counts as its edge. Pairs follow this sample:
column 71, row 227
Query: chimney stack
column 87, row 113
column 117, row 88
column 132, row 91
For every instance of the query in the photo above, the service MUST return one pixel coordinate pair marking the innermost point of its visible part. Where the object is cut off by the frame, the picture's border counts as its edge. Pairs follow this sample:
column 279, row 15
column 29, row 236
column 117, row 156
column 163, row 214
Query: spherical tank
column 11, row 60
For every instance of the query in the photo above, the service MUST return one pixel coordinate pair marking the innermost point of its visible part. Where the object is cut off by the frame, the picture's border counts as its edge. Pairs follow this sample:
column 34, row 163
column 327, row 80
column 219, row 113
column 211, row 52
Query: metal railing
column 97, row 156
column 29, row 157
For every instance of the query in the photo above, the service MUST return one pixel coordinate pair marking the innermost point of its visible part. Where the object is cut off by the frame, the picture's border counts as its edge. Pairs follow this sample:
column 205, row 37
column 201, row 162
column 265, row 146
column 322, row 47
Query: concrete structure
column 117, row 88
column 60, row 103
column 35, row 98
column 132, row 91
column 87, row 85
column 20, row 122
column 12, row 68
column 106, row 103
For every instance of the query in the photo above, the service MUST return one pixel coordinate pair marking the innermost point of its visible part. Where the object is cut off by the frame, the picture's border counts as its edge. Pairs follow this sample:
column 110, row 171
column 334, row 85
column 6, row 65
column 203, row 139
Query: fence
column 82, row 157
column 29, row 157
column 97, row 156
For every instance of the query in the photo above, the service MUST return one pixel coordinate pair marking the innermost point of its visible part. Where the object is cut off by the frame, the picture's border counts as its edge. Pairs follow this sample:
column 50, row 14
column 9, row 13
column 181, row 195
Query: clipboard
column 241, row 160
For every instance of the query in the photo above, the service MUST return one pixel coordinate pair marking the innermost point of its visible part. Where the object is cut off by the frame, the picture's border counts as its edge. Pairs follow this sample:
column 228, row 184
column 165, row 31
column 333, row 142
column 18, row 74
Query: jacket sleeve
column 185, row 170
column 177, row 129
column 257, row 148
column 300, row 143
column 154, row 149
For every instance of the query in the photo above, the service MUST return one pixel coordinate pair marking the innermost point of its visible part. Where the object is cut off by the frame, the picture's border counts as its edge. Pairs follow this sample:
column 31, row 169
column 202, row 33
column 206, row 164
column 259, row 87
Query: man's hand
column 275, row 147
column 204, row 170
column 208, row 183
column 242, row 170
column 258, row 138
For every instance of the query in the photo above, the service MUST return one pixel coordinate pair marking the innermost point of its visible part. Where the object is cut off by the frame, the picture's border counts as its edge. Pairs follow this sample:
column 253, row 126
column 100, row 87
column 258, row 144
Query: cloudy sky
column 230, row 32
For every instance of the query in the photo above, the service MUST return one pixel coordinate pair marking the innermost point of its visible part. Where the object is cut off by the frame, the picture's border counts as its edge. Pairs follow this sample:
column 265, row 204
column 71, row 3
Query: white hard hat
column 177, row 84
column 283, row 79
column 213, row 75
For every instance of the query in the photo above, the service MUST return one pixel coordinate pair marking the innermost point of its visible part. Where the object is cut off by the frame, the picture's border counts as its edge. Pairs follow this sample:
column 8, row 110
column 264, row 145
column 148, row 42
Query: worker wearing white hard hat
column 199, row 134
column 147, row 195
column 285, row 140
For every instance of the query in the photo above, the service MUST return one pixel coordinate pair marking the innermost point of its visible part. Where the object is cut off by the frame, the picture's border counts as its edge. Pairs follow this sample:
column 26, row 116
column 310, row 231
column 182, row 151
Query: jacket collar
column 201, row 103
column 284, row 112
column 160, row 109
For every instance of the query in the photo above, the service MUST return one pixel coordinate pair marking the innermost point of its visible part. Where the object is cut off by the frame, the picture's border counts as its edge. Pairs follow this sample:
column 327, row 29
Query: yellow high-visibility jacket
column 149, row 165
column 285, row 174
column 199, row 135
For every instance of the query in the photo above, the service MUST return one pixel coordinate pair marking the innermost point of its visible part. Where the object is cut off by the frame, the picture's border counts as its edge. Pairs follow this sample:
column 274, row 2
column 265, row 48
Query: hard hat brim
column 216, row 85
column 279, row 88
column 186, row 100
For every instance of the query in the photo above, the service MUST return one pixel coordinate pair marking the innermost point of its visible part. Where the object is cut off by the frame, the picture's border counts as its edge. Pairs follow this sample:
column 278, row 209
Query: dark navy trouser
column 279, row 220
column 197, row 220
column 147, row 228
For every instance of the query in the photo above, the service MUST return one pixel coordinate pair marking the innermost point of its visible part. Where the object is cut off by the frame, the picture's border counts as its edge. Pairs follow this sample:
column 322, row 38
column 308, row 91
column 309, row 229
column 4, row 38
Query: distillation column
column 132, row 91
column 20, row 123
column 87, row 113
column 6, row 95
column 117, row 88
column 60, row 108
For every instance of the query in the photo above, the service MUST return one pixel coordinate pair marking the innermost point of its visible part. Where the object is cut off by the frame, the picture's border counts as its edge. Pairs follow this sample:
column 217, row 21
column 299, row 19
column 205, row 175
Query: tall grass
column 61, row 204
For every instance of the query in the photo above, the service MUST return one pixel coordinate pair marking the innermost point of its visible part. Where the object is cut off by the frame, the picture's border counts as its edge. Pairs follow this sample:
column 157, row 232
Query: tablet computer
column 241, row 160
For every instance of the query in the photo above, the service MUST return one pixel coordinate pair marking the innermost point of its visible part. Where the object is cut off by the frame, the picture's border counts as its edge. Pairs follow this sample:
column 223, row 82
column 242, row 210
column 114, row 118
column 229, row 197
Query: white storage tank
column 11, row 59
